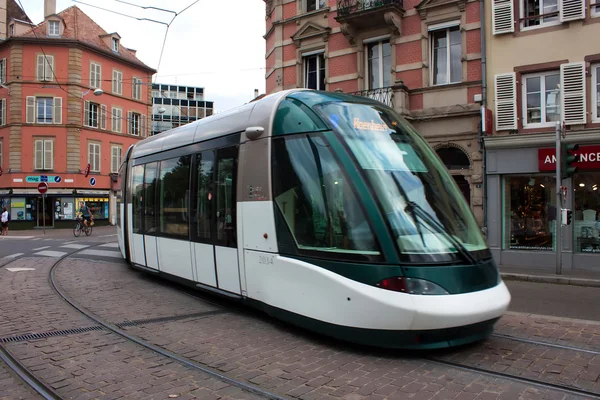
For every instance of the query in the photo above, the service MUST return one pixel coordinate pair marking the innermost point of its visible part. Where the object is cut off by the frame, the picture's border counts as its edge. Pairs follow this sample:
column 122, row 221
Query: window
column 117, row 120
column 3, row 112
column 312, row 5
column 314, row 72
column 173, row 197
column 44, row 154
column 539, row 12
column 137, row 191
column 379, row 55
column 95, row 75
column 595, row 8
column 586, row 214
column 149, row 201
column 203, row 214
column 53, row 28
column 115, row 44
column 226, row 193
column 446, row 52
column 596, row 93
column 137, row 88
column 541, row 93
column 135, row 123
column 529, row 212
column 43, row 110
column 3, row 71
column 94, row 156
column 12, row 29
column 45, row 67
column 91, row 114
column 44, row 107
column 117, row 82
column 115, row 159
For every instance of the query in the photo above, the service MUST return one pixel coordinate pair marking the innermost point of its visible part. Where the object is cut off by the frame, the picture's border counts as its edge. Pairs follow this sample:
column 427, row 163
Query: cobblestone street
column 80, row 359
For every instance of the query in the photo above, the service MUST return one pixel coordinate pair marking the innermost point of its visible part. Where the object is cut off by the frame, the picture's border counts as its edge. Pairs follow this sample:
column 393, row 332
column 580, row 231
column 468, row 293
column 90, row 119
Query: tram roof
column 258, row 113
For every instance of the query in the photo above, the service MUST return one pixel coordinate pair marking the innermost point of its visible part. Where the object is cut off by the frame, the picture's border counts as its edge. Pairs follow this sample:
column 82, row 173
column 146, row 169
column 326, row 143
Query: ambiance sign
column 588, row 157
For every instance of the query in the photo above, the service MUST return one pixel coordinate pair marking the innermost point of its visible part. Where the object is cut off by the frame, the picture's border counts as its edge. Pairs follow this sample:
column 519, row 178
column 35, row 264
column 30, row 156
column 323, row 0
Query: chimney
column 3, row 20
column 255, row 93
column 49, row 7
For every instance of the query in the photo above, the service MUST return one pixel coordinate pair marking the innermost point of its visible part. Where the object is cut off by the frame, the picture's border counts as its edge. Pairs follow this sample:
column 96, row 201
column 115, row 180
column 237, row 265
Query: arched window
column 454, row 158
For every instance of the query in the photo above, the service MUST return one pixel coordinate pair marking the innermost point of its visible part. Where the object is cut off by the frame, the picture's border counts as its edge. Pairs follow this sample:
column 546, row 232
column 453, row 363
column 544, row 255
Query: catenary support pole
column 558, row 218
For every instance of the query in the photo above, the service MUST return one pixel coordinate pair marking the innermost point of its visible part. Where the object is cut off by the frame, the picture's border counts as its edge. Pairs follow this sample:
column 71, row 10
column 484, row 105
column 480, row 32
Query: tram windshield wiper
column 413, row 208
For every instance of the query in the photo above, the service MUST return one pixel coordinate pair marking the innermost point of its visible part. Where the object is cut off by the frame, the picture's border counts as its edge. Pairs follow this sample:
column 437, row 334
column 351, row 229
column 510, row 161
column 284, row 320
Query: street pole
column 44, row 211
column 558, row 202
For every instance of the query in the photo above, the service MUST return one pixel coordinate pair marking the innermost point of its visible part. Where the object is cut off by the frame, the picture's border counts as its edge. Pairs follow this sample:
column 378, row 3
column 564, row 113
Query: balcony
column 384, row 95
column 355, row 15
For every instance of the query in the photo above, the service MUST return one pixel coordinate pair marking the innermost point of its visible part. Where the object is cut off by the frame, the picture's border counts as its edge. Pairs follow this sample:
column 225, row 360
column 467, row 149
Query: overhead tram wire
column 146, row 7
column 122, row 14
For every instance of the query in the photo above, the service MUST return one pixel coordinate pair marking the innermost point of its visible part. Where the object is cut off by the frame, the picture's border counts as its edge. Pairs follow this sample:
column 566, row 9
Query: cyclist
column 85, row 213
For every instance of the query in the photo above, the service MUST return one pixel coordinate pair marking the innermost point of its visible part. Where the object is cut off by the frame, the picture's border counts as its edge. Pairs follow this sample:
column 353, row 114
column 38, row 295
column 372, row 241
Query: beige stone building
column 543, row 68
column 423, row 58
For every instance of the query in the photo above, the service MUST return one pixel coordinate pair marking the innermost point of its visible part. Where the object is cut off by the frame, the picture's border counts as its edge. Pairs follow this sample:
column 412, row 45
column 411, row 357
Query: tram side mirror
column 254, row 132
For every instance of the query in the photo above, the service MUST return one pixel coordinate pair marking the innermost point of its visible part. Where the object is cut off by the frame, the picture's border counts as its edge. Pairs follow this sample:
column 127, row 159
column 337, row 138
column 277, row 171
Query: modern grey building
column 174, row 105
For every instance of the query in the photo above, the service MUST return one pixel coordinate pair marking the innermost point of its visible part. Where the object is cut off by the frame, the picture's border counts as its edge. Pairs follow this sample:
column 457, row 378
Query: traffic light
column 567, row 158
column 566, row 216
column 569, row 216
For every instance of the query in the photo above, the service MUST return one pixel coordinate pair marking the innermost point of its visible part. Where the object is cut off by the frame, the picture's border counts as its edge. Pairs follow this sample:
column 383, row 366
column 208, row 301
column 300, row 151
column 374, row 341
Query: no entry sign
column 43, row 187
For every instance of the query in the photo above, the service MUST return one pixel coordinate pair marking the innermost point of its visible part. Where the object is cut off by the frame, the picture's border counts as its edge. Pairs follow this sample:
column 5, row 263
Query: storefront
column 29, row 209
column 521, row 204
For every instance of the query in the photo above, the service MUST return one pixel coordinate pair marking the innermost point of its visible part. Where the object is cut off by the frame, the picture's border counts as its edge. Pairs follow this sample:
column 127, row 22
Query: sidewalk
column 55, row 233
column 577, row 277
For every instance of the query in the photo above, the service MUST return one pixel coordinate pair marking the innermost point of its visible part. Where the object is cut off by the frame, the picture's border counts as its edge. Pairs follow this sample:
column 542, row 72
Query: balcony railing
column 383, row 95
column 347, row 7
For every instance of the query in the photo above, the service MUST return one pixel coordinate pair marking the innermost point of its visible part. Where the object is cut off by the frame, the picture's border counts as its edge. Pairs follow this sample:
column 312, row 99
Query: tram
column 325, row 210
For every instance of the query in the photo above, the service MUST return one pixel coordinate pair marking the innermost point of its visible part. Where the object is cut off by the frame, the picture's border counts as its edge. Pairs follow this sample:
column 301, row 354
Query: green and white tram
column 325, row 210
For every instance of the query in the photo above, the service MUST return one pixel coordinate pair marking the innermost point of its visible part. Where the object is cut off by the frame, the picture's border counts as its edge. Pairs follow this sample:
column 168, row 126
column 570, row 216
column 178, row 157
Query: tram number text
column 265, row 259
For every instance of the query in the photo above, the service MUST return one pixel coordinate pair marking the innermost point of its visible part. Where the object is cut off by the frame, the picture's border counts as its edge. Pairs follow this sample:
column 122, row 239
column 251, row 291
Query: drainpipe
column 484, row 105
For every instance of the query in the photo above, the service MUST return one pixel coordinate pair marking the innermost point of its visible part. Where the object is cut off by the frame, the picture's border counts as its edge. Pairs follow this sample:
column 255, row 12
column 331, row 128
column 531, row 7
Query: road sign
column 57, row 179
column 43, row 187
column 44, row 178
column 93, row 181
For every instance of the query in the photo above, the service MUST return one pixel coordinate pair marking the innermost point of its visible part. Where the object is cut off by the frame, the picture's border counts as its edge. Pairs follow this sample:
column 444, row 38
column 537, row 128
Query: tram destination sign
column 588, row 157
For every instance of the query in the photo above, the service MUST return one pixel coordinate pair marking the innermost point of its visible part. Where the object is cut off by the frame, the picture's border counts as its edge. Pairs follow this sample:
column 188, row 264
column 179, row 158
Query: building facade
column 542, row 70
column 71, row 96
column 174, row 105
column 422, row 57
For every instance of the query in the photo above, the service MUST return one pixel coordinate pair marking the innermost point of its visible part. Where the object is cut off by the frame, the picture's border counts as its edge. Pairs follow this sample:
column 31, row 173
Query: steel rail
column 536, row 342
column 166, row 353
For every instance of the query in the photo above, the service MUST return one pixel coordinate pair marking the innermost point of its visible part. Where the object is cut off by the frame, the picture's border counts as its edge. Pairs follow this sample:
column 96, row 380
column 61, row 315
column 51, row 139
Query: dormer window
column 115, row 44
column 53, row 28
column 11, row 30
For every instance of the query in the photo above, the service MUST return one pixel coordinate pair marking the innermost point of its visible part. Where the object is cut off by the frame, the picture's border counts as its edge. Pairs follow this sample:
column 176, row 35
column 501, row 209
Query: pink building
column 423, row 58
column 71, row 95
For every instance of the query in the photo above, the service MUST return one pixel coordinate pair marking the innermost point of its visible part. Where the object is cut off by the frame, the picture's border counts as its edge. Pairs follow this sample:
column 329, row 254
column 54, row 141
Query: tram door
column 215, row 219
column 136, row 222
column 149, row 215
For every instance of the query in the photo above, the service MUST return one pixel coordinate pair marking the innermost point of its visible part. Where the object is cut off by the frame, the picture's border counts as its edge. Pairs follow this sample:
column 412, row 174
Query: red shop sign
column 588, row 158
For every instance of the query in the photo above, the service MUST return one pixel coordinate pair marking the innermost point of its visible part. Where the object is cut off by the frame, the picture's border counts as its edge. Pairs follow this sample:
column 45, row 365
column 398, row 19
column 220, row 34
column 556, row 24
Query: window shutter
column 57, row 110
column 3, row 111
column 120, row 121
column 99, row 75
column 572, row 83
column 86, row 113
column 39, row 154
column 103, row 117
column 113, row 159
column 97, row 157
column 48, row 154
column 143, row 128
column 133, row 85
column 4, row 67
column 506, row 101
column 30, row 110
column 120, row 83
column 114, row 82
column 92, row 75
column 502, row 17
column 129, row 122
column 571, row 10
column 49, row 68
column 40, row 67
column 113, row 119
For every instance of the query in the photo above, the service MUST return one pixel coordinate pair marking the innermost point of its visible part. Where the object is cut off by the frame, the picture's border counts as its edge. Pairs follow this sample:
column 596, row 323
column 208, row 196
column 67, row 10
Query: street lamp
column 97, row 92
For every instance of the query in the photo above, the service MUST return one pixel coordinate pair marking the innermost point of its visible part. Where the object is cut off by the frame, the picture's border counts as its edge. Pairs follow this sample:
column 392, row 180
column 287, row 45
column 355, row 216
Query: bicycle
column 80, row 227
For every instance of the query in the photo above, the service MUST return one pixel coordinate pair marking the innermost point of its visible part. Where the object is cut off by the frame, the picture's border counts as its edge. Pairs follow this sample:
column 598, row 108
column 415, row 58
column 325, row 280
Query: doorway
column 45, row 216
column 464, row 187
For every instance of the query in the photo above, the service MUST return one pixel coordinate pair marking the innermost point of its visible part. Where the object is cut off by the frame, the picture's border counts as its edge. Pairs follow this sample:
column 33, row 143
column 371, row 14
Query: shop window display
column 97, row 206
column 586, row 215
column 529, row 213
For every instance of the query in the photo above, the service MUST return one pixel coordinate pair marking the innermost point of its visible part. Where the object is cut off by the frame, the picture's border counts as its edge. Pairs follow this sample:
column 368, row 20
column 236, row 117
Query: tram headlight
column 411, row 286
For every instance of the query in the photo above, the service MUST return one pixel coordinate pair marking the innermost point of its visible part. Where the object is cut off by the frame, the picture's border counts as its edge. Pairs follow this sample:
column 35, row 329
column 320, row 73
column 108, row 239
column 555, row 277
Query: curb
column 557, row 280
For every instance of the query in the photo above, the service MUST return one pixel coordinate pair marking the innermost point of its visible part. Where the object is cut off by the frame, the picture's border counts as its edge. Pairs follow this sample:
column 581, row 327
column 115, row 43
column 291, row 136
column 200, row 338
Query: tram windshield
column 425, row 209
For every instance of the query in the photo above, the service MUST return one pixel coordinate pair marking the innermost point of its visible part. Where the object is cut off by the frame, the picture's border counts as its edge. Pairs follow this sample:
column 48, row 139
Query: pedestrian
column 4, row 220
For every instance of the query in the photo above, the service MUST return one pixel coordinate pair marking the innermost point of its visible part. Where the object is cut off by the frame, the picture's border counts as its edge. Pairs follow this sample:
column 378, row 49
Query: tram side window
column 174, row 197
column 137, row 191
column 150, row 198
column 316, row 199
column 205, row 162
column 225, row 187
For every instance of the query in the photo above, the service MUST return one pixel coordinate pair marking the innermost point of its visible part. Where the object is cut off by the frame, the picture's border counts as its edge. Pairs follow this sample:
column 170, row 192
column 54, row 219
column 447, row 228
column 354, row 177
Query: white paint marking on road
column 16, row 237
column 41, row 248
column 114, row 245
column 114, row 234
column 75, row 246
column 14, row 255
column 103, row 253
column 50, row 253
column 20, row 269
column 35, row 239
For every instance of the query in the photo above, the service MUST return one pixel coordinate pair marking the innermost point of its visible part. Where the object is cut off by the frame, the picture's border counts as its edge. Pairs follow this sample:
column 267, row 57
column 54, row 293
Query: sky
column 217, row 45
